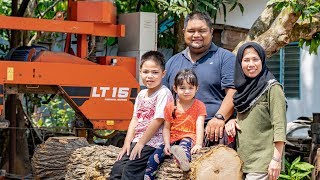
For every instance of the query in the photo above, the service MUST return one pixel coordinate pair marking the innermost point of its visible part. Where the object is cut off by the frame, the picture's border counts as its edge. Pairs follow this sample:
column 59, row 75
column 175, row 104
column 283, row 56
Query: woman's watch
column 219, row 116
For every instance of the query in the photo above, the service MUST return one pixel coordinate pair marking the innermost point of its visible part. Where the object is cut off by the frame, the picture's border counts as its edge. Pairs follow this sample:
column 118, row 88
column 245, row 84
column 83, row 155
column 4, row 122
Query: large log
column 50, row 158
column 92, row 162
column 74, row 159
column 218, row 162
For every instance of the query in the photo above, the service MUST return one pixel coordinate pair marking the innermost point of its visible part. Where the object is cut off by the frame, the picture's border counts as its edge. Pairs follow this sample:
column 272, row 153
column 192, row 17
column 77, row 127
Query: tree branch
column 48, row 9
column 35, row 36
column 278, row 35
column 22, row 8
column 263, row 22
column 14, row 7
column 305, row 29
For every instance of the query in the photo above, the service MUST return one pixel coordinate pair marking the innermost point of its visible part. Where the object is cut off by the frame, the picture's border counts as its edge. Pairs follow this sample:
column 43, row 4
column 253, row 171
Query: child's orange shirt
column 185, row 123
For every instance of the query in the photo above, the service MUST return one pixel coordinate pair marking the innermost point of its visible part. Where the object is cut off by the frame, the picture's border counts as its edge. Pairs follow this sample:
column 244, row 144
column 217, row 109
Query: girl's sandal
column 181, row 157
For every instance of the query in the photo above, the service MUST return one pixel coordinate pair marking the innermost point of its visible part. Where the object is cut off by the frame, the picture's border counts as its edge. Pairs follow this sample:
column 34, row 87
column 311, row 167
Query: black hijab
column 250, row 89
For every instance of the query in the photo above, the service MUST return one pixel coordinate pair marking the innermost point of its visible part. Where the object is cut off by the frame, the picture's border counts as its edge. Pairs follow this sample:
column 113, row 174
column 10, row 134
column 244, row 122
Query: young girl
column 144, row 134
column 184, row 120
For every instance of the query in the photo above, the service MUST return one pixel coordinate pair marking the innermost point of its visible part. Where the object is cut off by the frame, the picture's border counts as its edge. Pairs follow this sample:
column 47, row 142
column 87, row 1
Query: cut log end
column 219, row 162
column 50, row 158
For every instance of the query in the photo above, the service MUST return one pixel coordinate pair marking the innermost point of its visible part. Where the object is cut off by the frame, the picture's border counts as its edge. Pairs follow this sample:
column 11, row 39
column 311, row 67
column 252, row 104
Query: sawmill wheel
column 117, row 140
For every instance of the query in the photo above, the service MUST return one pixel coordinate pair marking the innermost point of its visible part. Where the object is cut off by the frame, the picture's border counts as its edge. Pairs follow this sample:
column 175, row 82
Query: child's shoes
column 181, row 157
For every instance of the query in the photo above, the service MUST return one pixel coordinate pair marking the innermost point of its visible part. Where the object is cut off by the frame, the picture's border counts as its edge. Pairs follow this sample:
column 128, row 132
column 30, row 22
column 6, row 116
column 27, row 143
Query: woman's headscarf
column 250, row 89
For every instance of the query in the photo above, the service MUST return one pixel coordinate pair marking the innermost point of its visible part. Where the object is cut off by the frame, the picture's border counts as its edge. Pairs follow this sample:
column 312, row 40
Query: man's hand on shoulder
column 214, row 129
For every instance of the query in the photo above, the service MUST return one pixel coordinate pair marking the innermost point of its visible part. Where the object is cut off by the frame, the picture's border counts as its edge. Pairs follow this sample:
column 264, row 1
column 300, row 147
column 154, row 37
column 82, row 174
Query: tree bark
column 316, row 162
column 178, row 30
column 23, row 159
column 274, row 30
column 73, row 158
column 51, row 158
column 95, row 162
column 92, row 162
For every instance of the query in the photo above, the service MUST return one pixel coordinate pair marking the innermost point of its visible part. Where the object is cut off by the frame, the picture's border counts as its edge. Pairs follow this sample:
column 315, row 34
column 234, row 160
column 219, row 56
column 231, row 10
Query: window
column 285, row 66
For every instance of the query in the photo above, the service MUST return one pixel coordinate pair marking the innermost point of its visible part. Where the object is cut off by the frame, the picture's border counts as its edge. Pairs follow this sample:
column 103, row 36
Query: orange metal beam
column 82, row 46
column 74, row 27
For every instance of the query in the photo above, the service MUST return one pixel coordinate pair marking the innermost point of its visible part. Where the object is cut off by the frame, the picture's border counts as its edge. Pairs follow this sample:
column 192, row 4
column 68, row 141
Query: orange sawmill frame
column 101, row 93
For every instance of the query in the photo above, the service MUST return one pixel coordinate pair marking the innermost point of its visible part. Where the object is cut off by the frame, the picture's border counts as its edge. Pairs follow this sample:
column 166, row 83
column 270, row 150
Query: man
column 214, row 67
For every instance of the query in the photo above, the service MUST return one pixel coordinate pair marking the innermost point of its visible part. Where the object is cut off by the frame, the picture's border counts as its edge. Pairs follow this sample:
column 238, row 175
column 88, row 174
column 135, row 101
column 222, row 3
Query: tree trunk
column 316, row 162
column 22, row 164
column 178, row 30
column 73, row 158
column 51, row 158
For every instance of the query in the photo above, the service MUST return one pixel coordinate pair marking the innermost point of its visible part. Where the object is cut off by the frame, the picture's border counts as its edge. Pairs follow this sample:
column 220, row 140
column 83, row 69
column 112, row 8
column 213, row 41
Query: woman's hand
column 167, row 150
column 125, row 150
column 231, row 127
column 196, row 148
column 274, row 169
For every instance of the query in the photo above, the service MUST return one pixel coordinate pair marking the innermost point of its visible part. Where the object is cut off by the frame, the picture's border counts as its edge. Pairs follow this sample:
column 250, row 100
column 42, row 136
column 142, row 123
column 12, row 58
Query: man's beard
column 196, row 46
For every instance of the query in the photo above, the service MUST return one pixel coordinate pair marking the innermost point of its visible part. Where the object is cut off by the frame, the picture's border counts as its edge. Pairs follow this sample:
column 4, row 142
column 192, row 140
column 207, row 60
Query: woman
column 261, row 115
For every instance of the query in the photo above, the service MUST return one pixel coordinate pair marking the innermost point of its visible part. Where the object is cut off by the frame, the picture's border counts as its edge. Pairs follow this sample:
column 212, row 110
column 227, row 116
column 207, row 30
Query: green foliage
column 167, row 39
column 297, row 170
column 176, row 9
column 307, row 10
column 312, row 43
column 5, row 9
column 54, row 113
column 214, row 7
column 43, row 6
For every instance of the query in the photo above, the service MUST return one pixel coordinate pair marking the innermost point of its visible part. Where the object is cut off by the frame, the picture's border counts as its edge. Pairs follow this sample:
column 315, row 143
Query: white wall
column 252, row 10
column 309, row 101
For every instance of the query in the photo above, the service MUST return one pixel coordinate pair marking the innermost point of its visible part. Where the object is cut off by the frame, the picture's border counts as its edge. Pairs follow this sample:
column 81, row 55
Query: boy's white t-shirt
column 148, row 108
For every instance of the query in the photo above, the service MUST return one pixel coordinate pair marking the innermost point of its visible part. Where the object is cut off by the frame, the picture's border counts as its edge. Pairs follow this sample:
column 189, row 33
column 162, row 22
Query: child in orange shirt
column 184, row 125
column 184, row 120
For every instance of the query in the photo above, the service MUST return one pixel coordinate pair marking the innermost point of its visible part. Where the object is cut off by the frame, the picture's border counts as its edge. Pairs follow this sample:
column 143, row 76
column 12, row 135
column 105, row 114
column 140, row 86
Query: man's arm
column 226, row 108
column 214, row 128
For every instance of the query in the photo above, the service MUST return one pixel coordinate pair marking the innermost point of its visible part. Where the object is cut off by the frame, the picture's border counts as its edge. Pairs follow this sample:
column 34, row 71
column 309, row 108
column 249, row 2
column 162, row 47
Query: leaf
column 163, row 2
column 40, row 123
column 241, row 8
column 287, row 164
column 270, row 2
column 301, row 42
column 185, row 3
column 233, row 6
column 224, row 12
column 295, row 162
column 304, row 166
column 209, row 5
column 61, row 111
column 302, row 175
column 284, row 176
column 280, row 6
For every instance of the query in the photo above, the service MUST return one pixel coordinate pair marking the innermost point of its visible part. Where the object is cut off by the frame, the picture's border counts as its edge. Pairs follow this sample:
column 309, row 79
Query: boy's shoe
column 181, row 157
